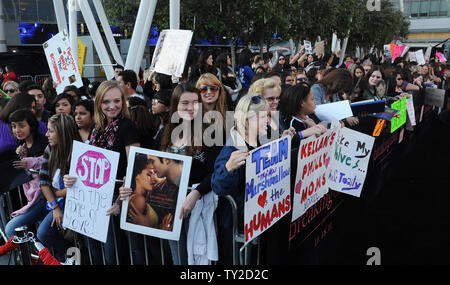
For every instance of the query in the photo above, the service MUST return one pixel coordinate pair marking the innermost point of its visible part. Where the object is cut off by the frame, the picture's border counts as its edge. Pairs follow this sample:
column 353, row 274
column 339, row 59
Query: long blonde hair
column 99, row 116
column 67, row 131
column 247, row 108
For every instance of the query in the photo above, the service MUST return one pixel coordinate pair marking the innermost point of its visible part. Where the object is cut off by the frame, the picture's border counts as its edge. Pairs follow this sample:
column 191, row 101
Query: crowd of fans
column 268, row 96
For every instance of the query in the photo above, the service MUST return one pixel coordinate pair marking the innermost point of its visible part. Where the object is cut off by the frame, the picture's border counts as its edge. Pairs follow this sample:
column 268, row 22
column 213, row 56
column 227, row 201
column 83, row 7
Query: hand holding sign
column 236, row 160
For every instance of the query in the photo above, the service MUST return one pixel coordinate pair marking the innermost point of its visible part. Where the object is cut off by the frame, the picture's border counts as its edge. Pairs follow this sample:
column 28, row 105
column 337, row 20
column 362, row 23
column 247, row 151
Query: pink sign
column 398, row 50
column 94, row 169
column 441, row 57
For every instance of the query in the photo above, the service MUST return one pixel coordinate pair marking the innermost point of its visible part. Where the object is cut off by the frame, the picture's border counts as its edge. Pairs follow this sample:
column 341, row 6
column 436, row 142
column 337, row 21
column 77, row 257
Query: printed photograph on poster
column 159, row 181
column 91, row 196
column 171, row 52
column 63, row 66
column 267, row 186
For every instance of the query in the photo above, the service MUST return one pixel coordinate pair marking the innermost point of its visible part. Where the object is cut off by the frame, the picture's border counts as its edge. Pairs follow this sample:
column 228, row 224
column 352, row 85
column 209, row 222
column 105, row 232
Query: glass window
column 424, row 8
column 46, row 11
column 11, row 10
column 434, row 8
column 415, row 5
column 28, row 10
column 445, row 7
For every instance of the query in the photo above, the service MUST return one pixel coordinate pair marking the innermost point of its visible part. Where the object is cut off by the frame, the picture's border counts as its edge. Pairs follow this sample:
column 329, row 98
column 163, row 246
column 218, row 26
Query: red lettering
column 303, row 152
column 265, row 220
column 311, row 188
column 249, row 230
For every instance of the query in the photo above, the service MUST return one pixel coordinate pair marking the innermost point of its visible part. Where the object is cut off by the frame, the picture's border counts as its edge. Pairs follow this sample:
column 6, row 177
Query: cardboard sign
column 267, row 186
column 91, row 195
column 400, row 119
column 311, row 181
column 334, row 111
column 159, row 181
column 171, row 52
column 434, row 97
column 62, row 65
column 320, row 48
column 348, row 169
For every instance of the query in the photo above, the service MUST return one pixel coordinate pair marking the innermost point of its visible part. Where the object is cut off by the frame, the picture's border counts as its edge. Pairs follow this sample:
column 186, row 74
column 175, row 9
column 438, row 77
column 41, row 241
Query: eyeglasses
column 212, row 88
column 10, row 90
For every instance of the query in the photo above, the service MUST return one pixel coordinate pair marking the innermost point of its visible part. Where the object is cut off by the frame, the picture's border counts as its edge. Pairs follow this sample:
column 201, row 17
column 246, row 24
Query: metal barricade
column 39, row 79
column 241, row 254
column 26, row 77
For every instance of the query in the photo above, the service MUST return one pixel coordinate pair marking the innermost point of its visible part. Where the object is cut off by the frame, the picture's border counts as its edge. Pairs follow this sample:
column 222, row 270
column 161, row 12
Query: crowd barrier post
column 240, row 255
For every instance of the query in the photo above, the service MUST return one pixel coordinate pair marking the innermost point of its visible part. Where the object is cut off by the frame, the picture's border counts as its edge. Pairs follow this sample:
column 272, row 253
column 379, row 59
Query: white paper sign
column 311, row 181
column 410, row 110
column 62, row 64
column 428, row 52
column 334, row 111
column 159, row 181
column 420, row 57
column 267, row 186
column 91, row 195
column 308, row 47
column 348, row 166
column 171, row 52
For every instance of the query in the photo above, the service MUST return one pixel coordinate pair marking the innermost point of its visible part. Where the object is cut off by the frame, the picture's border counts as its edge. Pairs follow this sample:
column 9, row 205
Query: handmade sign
column 400, row 119
column 420, row 58
column 411, row 111
column 334, row 111
column 308, row 47
column 348, row 168
column 387, row 51
column 398, row 51
column 434, row 97
column 320, row 48
column 171, row 52
column 441, row 57
column 88, row 199
column 159, row 181
column 428, row 52
column 62, row 64
column 311, row 181
column 267, row 186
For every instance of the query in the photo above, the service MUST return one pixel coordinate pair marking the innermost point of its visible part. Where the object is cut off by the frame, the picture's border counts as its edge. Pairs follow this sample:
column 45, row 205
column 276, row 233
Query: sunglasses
column 282, row 58
column 399, row 78
column 301, row 79
column 212, row 88
column 256, row 99
column 289, row 80
column 271, row 99
column 10, row 90
column 155, row 101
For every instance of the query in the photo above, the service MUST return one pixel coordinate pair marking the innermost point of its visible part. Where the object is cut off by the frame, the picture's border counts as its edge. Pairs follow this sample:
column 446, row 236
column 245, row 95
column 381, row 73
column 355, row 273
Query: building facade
column 430, row 21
